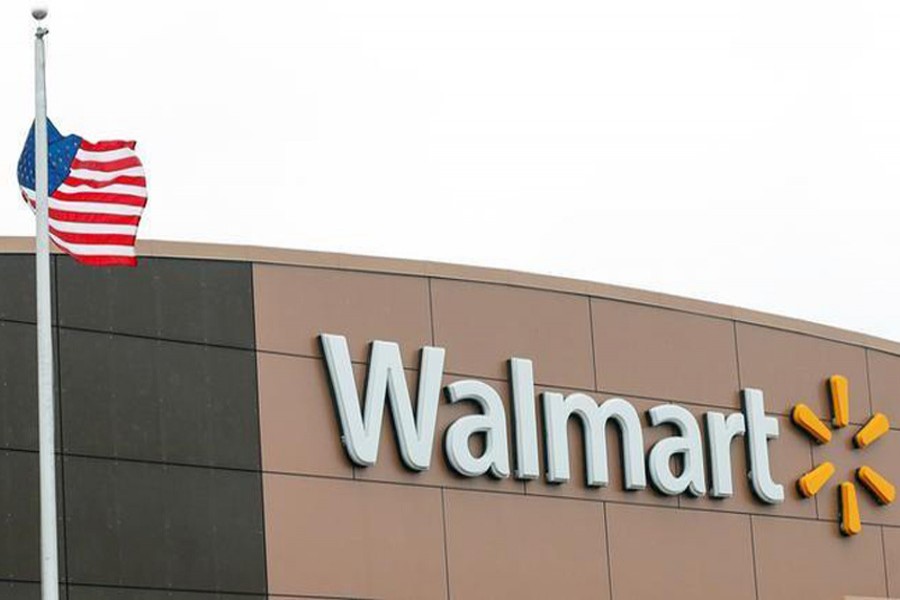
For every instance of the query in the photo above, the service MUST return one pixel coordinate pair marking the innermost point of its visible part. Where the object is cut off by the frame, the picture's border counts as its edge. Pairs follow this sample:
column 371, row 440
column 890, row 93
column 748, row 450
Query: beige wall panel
column 353, row 539
column 502, row 546
column 659, row 553
column 660, row 353
column 792, row 368
column 299, row 427
column 294, row 305
column 576, row 487
column 884, row 377
column 883, row 456
column 390, row 466
column 809, row 559
column 789, row 457
column 892, row 559
column 483, row 326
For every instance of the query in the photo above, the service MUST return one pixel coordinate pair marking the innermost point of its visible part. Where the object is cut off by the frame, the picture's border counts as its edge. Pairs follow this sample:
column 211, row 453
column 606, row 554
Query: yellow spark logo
column 811, row 483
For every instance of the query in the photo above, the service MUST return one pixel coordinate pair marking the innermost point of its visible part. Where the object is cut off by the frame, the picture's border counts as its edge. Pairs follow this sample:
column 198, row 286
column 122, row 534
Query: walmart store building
column 561, row 439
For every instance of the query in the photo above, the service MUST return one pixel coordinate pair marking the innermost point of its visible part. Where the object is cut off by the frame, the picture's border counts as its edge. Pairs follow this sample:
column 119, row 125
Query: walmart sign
column 361, row 423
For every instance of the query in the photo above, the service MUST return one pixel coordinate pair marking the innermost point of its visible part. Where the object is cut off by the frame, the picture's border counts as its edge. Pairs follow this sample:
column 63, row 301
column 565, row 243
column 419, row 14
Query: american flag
column 97, row 193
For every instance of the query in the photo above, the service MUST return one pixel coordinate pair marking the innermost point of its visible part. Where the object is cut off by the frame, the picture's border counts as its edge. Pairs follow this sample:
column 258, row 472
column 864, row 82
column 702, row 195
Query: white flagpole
column 46, row 421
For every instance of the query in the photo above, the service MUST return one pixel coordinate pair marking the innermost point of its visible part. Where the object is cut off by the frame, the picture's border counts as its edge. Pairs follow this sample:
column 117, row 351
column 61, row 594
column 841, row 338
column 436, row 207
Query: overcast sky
column 740, row 152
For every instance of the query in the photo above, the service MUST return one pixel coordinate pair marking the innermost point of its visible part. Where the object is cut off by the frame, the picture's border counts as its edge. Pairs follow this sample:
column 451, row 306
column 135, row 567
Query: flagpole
column 46, row 421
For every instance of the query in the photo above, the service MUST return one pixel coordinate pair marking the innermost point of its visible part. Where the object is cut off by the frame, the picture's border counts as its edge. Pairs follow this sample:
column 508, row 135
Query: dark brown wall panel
column 77, row 592
column 207, row 302
column 17, row 287
column 160, row 526
column 22, row 590
column 176, row 383
column 20, row 556
column 18, row 385
column 144, row 399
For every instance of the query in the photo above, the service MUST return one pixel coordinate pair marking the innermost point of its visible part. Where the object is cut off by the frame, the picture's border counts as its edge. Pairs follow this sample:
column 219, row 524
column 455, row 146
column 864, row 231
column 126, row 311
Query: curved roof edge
column 397, row 266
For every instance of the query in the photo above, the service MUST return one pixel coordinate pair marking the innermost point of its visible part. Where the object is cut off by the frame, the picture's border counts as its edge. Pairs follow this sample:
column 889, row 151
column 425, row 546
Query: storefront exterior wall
column 202, row 458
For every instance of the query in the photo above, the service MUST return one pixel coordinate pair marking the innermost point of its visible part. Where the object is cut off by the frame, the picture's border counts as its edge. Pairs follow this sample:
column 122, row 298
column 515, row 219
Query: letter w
column 386, row 380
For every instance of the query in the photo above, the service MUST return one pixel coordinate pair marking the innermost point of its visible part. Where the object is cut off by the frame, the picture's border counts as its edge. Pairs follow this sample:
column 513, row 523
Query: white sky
column 741, row 152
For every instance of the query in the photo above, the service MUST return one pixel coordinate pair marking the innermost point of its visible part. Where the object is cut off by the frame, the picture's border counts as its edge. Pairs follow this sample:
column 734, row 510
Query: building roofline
column 397, row 266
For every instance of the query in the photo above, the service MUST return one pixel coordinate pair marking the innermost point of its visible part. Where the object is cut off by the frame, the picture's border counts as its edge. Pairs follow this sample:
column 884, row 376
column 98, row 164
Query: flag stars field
column 815, row 480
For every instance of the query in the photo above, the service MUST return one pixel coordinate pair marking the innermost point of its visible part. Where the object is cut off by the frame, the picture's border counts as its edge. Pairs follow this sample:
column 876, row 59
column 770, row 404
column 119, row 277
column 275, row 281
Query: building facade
column 209, row 449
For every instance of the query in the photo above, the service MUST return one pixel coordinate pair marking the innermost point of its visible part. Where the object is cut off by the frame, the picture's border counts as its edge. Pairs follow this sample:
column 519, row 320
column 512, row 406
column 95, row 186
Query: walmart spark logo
column 811, row 483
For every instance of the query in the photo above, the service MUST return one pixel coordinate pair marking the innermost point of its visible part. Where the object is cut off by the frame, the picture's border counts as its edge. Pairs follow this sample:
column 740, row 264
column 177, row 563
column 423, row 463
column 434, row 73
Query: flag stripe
column 106, row 175
column 94, row 249
column 92, row 239
column 108, row 261
column 97, row 184
column 63, row 215
column 87, row 207
column 102, row 146
column 92, row 228
column 104, row 156
column 106, row 167
column 96, row 208
column 101, row 198
column 111, row 188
